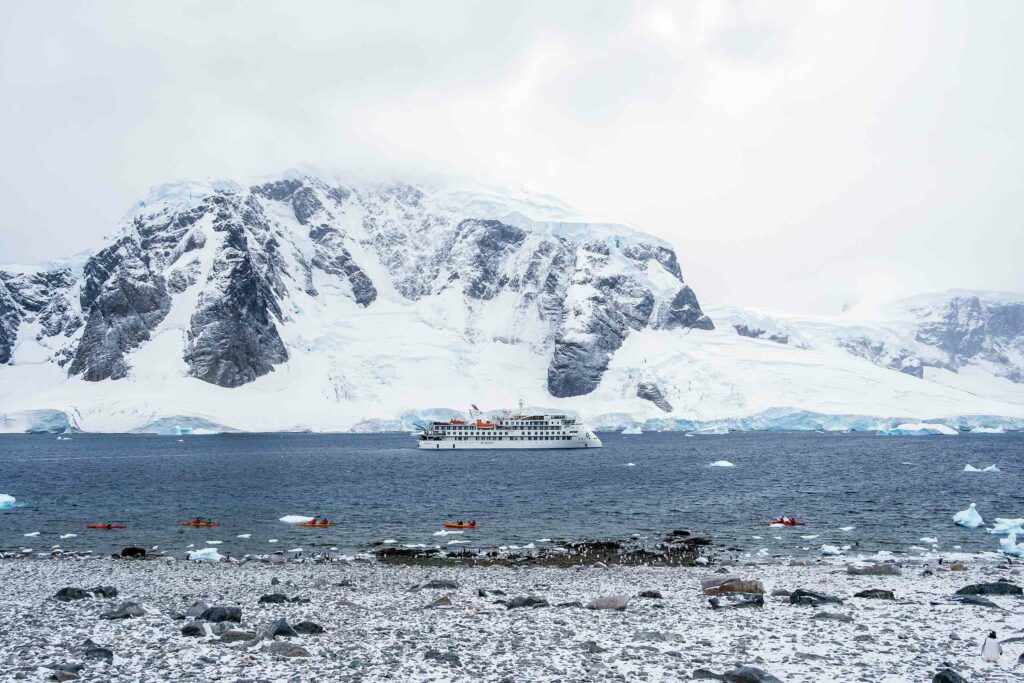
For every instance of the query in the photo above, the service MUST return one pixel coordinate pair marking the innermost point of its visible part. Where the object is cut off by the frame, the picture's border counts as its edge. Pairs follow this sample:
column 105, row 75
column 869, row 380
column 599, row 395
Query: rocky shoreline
column 160, row 619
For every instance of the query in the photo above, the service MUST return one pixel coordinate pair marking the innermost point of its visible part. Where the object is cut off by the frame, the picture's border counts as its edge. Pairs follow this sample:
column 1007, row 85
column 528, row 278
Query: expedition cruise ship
column 509, row 431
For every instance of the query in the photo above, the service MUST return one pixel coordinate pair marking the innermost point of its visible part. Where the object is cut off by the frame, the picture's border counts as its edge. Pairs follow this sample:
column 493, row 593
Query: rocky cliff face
column 235, row 268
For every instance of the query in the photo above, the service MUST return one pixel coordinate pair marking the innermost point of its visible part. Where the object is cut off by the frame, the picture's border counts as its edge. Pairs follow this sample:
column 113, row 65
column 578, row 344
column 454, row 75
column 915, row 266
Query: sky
column 801, row 156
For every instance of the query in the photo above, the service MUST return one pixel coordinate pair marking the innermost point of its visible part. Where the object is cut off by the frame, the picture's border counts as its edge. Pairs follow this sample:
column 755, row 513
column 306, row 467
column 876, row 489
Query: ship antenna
column 520, row 407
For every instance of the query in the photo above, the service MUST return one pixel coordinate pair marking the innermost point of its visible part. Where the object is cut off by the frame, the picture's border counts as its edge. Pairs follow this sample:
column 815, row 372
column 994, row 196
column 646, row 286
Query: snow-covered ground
column 378, row 624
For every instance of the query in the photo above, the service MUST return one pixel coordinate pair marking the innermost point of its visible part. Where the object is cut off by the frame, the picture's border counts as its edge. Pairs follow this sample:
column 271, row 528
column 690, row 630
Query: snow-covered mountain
column 311, row 302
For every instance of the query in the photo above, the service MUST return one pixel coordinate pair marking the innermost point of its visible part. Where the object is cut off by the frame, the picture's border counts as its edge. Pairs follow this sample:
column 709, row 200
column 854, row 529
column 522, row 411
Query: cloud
column 785, row 148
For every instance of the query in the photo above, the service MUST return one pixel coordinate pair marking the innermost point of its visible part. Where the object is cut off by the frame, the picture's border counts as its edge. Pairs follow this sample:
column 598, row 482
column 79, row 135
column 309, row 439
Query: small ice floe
column 244, row 536
column 918, row 549
column 26, row 551
column 31, row 534
column 296, row 519
column 528, row 546
column 1009, row 545
column 764, row 552
column 272, row 540
column 63, row 536
column 831, row 550
column 295, row 550
column 631, row 431
column 214, row 542
column 969, row 518
column 191, row 545
column 543, row 540
column 972, row 468
column 53, row 547
column 929, row 539
column 808, row 537
column 205, row 555
column 758, row 538
column 630, row 464
column 1004, row 525
column 156, row 547
column 701, row 559
column 847, row 528
column 446, row 532
column 415, row 545
column 777, row 538
column 457, row 542
column 333, row 548
column 7, row 501
column 389, row 540
column 721, row 463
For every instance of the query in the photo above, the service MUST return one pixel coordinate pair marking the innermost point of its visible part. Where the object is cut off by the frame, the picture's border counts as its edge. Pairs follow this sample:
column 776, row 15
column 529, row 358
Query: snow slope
column 308, row 303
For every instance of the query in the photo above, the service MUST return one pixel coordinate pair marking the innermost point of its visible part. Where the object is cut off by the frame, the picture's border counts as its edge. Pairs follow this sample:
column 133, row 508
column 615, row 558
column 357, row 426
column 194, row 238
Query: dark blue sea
column 892, row 490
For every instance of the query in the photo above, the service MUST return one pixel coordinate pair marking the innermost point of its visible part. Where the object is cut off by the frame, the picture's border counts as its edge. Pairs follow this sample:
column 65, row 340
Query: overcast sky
column 799, row 155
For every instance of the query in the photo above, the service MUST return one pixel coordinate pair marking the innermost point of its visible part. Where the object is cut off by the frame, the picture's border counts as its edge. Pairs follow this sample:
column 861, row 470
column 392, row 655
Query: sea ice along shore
column 415, row 623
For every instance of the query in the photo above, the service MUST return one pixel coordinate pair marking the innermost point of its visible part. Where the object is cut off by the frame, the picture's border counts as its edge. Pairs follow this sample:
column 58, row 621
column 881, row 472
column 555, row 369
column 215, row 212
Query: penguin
column 991, row 649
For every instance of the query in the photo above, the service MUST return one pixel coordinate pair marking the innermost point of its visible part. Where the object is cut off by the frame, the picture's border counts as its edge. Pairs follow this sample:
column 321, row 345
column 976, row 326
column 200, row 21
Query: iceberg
column 721, row 463
column 296, row 519
column 831, row 550
column 7, row 502
column 1004, row 525
column 969, row 518
column 205, row 555
column 972, row 468
column 918, row 429
column 988, row 430
column 715, row 429
column 1009, row 545
column 632, row 430
column 990, row 468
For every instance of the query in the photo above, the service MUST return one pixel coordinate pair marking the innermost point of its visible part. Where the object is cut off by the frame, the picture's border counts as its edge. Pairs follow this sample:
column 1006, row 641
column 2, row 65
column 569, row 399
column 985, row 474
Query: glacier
column 310, row 302
column 918, row 429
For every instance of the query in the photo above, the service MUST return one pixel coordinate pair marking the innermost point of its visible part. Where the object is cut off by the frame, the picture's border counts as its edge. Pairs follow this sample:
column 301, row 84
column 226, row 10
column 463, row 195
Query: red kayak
column 786, row 522
column 106, row 526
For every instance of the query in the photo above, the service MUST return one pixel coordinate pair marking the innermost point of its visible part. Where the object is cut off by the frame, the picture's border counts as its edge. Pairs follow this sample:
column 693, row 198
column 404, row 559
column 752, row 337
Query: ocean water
column 892, row 490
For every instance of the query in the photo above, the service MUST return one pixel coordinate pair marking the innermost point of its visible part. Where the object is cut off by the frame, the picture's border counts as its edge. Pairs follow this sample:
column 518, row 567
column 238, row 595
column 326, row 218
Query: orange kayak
column 315, row 524
column 200, row 524
column 456, row 525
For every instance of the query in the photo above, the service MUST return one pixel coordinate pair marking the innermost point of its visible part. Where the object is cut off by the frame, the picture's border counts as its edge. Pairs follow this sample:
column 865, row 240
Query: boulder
column 731, row 584
column 976, row 600
column 70, row 593
column 812, row 599
column 749, row 674
column 876, row 594
column 286, row 649
column 104, row 591
column 273, row 599
column 280, row 627
column 308, row 628
column 873, row 570
column 197, row 609
column 194, row 629
column 93, row 651
column 526, row 601
column 993, row 588
column 612, row 602
column 654, row 595
column 948, row 676
column 222, row 613
column 62, row 676
column 488, row 592
column 725, row 600
column 133, row 552
column 131, row 607
column 235, row 635
column 780, row 593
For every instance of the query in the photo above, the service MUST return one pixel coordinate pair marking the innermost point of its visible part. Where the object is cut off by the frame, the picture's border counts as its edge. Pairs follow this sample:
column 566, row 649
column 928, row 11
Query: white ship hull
column 593, row 442
column 508, row 432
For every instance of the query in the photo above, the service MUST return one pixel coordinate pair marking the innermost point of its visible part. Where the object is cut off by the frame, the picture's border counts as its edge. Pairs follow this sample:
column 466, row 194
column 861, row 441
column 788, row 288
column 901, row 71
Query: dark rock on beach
column 280, row 627
column 308, row 628
column 736, row 600
column 993, row 588
column 133, row 552
column 876, row 594
column 653, row 595
column 948, row 676
column 281, row 598
column 91, row 650
column 449, row 658
column 526, row 601
column 286, row 649
column 222, row 613
column 70, row 593
column 749, row 674
column 811, row 599
column 193, row 629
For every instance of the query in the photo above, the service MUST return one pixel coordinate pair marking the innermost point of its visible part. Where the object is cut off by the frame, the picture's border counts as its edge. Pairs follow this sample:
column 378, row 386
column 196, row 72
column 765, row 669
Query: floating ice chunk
column 205, row 555
column 69, row 536
column 1009, row 545
column 244, row 536
column 929, row 539
column 756, row 537
column 991, row 468
column 701, row 560
column 457, row 542
column 446, row 532
column 528, row 546
column 389, row 540
column 831, row 550
column 629, row 431
column 969, row 518
column 272, row 540
column 7, row 501
column 972, row 468
column 214, row 542
column 31, row 534
column 414, row 545
column 847, row 528
column 630, row 464
column 543, row 540
column 26, row 550
column 295, row 550
column 810, row 536
column 721, row 463
column 191, row 545
column 296, row 519
column 1004, row 525
column 918, row 429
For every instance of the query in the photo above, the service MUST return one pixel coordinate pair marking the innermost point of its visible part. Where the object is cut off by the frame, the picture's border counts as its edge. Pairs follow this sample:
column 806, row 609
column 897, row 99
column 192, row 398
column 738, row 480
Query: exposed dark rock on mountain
column 650, row 392
column 757, row 333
